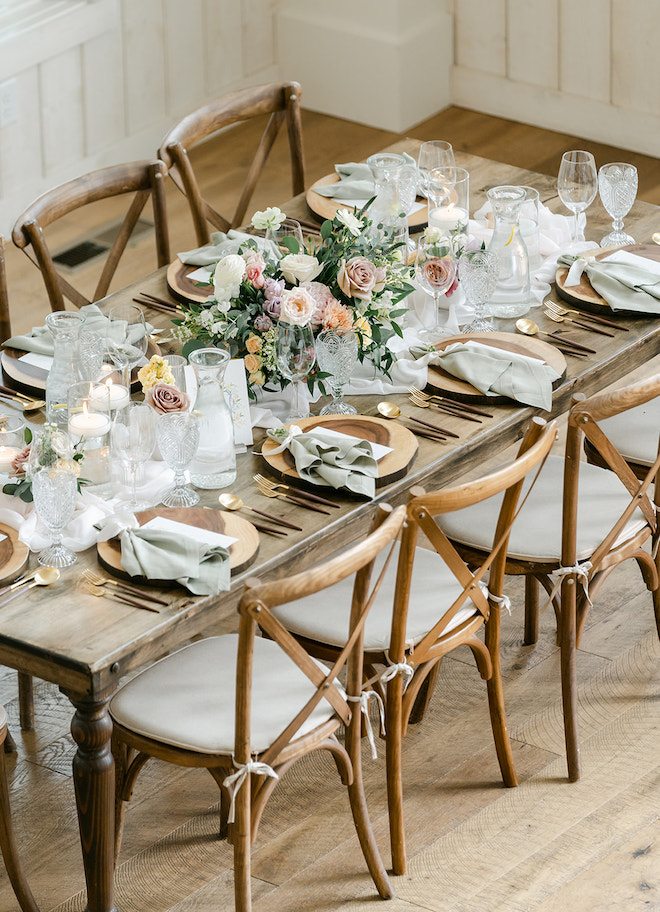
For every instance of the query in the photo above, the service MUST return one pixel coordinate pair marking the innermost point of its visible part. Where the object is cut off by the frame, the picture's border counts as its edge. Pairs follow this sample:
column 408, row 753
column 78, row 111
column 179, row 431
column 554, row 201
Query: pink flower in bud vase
column 163, row 398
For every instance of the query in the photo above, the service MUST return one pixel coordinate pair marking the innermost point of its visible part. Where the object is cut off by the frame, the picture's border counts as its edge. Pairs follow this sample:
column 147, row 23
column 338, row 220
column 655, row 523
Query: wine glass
column 288, row 237
column 336, row 353
column 477, row 272
column 54, row 491
column 126, row 338
column 295, row 359
column 435, row 269
column 91, row 347
column 577, row 184
column 617, row 184
column 177, row 434
column 434, row 154
column 133, row 439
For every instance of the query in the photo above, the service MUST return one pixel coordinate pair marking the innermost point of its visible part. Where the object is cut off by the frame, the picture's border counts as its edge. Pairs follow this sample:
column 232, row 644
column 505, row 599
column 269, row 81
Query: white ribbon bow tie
column 286, row 435
column 576, row 270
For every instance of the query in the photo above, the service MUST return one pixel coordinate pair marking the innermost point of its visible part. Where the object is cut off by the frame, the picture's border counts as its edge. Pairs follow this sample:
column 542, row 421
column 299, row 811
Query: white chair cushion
column 536, row 533
column 325, row 616
column 188, row 698
column 635, row 433
column 3, row 718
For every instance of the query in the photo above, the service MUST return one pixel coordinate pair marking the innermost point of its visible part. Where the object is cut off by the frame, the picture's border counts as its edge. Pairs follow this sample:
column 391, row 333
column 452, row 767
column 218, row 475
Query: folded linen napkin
column 356, row 181
column 622, row 282
column 160, row 555
column 496, row 372
column 330, row 460
column 223, row 244
column 40, row 340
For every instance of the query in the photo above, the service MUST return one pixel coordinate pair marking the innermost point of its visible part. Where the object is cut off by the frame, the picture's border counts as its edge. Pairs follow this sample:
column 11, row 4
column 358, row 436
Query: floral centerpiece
column 351, row 278
column 160, row 391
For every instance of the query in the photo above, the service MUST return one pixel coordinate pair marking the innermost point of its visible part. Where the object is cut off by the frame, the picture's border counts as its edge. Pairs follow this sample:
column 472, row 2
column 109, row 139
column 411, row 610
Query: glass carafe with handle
column 511, row 298
column 64, row 327
column 214, row 464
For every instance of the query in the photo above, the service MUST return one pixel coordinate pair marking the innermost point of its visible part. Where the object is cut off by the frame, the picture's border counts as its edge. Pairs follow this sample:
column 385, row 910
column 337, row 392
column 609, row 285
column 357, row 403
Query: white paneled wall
column 100, row 81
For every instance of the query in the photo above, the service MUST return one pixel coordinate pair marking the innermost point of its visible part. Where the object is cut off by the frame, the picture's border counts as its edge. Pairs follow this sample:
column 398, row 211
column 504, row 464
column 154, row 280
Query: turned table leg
column 94, row 782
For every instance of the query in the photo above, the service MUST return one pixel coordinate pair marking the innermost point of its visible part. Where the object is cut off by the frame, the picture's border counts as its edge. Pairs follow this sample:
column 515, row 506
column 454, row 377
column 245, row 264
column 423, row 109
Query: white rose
column 268, row 218
column 354, row 224
column 299, row 267
column 228, row 276
column 432, row 234
column 297, row 307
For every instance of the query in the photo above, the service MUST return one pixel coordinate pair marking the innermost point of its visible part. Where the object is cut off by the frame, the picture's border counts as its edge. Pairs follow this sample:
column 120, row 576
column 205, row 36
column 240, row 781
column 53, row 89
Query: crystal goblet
column 477, row 273
column 336, row 353
column 295, row 359
column 177, row 434
column 617, row 185
column 54, row 492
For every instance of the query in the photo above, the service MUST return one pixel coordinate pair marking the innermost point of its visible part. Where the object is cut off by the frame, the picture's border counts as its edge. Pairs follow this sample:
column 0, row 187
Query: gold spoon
column 391, row 411
column 655, row 237
column 529, row 328
column 43, row 577
column 32, row 405
column 234, row 502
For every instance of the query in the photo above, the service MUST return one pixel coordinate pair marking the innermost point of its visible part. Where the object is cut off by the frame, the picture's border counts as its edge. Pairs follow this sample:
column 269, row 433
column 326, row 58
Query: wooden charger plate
column 585, row 297
column 14, row 555
column 241, row 554
column 391, row 467
column 32, row 379
column 184, row 289
column 533, row 348
column 326, row 208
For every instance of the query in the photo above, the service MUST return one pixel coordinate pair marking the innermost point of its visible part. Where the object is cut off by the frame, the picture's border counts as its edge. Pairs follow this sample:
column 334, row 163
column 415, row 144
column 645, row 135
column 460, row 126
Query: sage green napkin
column 156, row 554
column 623, row 285
column 40, row 340
column 223, row 244
column 356, row 181
column 335, row 462
column 496, row 372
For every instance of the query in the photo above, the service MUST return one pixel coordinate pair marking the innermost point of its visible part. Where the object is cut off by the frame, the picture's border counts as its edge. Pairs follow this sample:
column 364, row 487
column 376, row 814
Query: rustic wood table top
column 85, row 644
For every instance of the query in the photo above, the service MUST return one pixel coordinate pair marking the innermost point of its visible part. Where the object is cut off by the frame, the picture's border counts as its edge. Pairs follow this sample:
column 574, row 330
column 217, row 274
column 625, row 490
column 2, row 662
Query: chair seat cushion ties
column 234, row 782
column 364, row 699
column 581, row 571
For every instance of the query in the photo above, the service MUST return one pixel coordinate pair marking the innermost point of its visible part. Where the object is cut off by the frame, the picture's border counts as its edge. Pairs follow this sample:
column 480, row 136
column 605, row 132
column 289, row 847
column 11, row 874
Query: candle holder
column 89, row 428
column 449, row 199
column 12, row 440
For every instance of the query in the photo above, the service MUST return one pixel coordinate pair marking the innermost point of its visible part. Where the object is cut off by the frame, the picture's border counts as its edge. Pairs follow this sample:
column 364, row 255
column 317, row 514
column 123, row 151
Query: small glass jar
column 214, row 464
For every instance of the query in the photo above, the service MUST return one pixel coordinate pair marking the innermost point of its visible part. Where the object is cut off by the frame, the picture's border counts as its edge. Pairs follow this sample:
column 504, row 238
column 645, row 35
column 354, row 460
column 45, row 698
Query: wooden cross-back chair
column 432, row 604
column 5, row 316
column 247, row 707
column 143, row 179
column 7, row 839
column 281, row 100
column 570, row 544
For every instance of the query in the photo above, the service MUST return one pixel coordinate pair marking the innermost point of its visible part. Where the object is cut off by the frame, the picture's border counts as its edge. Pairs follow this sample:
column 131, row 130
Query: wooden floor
column 474, row 846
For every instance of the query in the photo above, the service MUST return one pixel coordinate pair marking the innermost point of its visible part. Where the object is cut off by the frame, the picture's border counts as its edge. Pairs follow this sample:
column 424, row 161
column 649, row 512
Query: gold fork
column 97, row 580
column 453, row 404
column 125, row 598
column 261, row 480
column 557, row 318
column 425, row 404
column 307, row 504
column 592, row 318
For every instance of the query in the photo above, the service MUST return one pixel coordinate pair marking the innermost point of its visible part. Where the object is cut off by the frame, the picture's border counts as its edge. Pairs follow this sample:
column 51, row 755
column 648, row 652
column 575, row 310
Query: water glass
column 617, row 185
column 337, row 353
column 177, row 434
column 133, row 440
column 577, row 185
column 477, row 272
column 91, row 348
column 435, row 271
column 296, row 357
column 434, row 154
column 126, row 338
column 287, row 236
column 177, row 365
column 54, row 491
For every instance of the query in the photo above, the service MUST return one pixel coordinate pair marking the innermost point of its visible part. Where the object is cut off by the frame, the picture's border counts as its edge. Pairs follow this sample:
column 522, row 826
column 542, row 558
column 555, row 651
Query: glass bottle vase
column 64, row 326
column 511, row 298
column 214, row 464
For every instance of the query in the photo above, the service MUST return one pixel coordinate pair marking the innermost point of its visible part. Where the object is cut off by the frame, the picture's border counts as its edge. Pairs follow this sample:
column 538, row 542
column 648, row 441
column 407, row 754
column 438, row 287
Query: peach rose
column 258, row 378
column 253, row 344
column 297, row 307
column 359, row 278
column 252, row 363
column 337, row 317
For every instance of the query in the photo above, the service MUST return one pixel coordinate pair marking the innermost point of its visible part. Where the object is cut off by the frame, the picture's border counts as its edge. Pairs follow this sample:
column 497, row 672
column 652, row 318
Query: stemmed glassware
column 287, row 236
column 577, row 185
column 477, row 272
column 133, row 439
column 617, row 184
column 54, row 491
column 436, row 154
column 296, row 357
column 177, row 434
column 126, row 338
column 435, row 270
column 337, row 354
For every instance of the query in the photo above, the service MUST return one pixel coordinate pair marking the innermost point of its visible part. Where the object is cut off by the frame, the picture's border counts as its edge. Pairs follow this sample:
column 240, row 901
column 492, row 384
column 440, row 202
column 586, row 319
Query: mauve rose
column 439, row 272
column 273, row 289
column 165, row 398
column 262, row 323
column 359, row 278
column 20, row 460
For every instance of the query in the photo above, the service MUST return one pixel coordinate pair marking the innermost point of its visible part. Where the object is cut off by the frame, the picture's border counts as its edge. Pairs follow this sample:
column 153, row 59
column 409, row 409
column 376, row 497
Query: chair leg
column 393, row 737
column 26, row 701
column 8, row 845
column 423, row 698
column 496, row 701
column 241, row 841
column 531, row 634
column 10, row 744
column 569, row 678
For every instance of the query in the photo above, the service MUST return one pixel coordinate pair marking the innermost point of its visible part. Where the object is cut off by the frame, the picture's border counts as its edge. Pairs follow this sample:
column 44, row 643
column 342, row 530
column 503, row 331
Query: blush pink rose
column 298, row 307
column 20, row 460
column 360, row 278
column 322, row 298
column 164, row 398
column 254, row 269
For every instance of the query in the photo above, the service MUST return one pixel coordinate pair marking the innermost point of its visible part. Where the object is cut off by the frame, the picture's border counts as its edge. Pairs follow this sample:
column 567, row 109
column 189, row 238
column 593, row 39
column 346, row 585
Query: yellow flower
column 363, row 328
column 257, row 378
column 252, row 363
column 156, row 371
column 253, row 343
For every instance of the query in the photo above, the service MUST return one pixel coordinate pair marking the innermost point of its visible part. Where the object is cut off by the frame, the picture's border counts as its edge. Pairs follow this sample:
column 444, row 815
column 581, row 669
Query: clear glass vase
column 214, row 464
column 511, row 298
column 64, row 326
column 395, row 185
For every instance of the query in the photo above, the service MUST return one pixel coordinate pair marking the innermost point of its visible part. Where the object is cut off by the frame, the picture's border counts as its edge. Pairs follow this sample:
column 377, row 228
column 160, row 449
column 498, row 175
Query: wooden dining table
column 86, row 645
